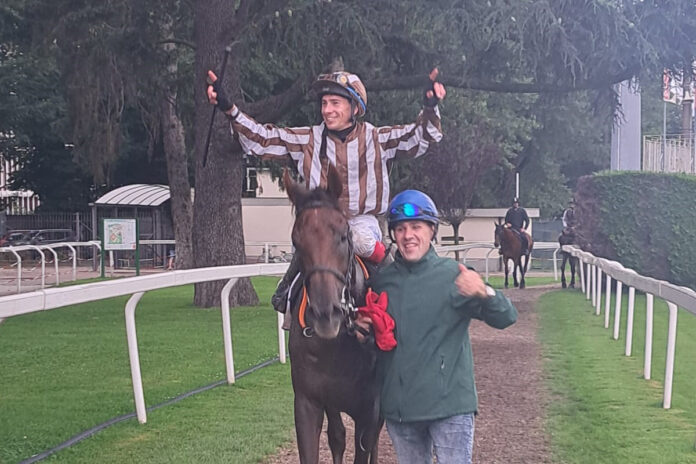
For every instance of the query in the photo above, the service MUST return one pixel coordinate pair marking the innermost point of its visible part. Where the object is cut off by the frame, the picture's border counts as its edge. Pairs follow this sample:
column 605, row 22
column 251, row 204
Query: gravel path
column 512, row 397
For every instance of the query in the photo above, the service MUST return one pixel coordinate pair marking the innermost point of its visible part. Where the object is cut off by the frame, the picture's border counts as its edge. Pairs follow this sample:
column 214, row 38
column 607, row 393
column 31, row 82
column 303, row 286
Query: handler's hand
column 470, row 283
column 438, row 89
column 364, row 322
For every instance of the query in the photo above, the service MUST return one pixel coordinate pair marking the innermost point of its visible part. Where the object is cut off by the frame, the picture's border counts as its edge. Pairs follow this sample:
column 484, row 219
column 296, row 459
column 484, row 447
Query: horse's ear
column 334, row 185
column 294, row 189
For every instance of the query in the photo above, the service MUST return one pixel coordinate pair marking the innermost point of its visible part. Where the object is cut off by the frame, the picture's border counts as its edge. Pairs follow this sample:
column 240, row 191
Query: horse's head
column 321, row 237
column 499, row 228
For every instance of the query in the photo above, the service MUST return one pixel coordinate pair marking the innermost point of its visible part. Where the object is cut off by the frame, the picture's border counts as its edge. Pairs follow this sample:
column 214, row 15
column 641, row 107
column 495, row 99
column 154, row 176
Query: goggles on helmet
column 409, row 210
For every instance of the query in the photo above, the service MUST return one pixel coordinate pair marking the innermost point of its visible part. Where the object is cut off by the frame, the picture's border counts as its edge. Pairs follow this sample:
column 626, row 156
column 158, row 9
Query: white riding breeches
column 366, row 233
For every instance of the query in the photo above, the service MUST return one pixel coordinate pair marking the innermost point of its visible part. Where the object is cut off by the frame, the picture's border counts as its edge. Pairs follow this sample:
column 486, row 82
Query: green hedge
column 646, row 221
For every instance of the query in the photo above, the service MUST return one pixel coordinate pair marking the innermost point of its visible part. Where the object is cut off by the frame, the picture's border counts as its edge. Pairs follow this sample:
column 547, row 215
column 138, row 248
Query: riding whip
column 228, row 49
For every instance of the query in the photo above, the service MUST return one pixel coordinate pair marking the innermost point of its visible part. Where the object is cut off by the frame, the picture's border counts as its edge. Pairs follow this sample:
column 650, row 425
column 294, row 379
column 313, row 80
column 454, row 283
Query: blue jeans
column 450, row 439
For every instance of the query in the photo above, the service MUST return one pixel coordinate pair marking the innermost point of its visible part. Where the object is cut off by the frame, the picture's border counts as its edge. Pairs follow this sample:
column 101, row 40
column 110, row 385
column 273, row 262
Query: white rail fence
column 465, row 248
column 266, row 248
column 52, row 248
column 54, row 298
column 592, row 270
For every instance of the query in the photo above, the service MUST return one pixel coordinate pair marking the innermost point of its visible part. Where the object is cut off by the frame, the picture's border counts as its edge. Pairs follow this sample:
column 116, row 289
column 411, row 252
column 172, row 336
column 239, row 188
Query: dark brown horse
column 568, row 237
column 511, row 249
column 331, row 371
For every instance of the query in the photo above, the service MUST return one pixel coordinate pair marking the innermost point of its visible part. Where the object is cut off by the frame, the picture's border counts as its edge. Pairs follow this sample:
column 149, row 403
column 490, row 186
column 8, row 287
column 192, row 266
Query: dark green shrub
column 646, row 221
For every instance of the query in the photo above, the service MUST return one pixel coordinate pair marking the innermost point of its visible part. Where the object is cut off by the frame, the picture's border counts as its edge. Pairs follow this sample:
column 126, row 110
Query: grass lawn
column 602, row 410
column 66, row 370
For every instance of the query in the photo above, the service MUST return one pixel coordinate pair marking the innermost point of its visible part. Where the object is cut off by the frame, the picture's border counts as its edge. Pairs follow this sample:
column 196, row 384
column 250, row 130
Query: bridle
column 347, row 304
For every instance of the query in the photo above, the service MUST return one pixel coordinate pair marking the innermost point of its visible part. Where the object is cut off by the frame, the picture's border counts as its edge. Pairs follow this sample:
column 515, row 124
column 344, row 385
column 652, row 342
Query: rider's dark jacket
column 518, row 218
column 430, row 373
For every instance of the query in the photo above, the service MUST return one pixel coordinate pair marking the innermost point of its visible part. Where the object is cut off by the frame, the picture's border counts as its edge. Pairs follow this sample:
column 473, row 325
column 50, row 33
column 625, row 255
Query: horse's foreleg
column 368, row 424
column 572, row 272
column 308, row 420
column 506, row 272
column 563, row 265
column 336, row 433
column 515, row 266
column 522, row 269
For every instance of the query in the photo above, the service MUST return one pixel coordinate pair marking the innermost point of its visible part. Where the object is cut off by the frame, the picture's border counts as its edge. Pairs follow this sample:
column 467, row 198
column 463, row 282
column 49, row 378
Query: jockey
column 569, row 215
column 517, row 219
column 358, row 150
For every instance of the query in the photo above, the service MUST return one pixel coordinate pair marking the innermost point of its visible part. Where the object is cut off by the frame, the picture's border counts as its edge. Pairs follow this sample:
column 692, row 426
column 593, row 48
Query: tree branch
column 273, row 107
column 183, row 42
column 414, row 82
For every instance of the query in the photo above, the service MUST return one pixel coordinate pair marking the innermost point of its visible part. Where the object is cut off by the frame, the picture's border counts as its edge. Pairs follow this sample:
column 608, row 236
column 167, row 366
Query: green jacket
column 430, row 373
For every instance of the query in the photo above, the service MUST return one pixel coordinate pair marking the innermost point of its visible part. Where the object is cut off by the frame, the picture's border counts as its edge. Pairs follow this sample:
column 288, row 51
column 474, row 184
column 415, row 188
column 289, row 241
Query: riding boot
column 280, row 297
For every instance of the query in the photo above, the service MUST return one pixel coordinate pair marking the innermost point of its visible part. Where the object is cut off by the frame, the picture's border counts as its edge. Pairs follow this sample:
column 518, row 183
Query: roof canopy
column 136, row 195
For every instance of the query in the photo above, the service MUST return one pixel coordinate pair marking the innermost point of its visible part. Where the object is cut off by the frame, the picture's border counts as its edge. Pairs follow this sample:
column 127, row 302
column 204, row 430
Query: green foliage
column 642, row 220
column 600, row 409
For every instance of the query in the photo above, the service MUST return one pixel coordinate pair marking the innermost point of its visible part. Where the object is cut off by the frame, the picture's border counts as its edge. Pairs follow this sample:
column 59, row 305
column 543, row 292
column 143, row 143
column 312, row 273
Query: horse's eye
column 344, row 238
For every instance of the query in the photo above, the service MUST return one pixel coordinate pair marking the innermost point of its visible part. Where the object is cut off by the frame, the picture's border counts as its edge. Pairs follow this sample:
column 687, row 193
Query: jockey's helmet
column 343, row 84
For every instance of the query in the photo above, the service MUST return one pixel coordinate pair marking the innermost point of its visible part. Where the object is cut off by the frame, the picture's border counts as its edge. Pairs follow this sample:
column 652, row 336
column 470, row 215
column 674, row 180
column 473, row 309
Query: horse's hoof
column 516, row 284
column 563, row 285
column 572, row 286
column 506, row 285
column 522, row 285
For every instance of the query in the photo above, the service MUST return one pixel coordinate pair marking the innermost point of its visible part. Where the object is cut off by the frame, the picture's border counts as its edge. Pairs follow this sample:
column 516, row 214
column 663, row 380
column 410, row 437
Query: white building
column 15, row 201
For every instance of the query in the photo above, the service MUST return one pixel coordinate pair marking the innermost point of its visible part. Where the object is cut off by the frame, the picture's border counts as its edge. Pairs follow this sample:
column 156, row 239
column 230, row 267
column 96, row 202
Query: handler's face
column 413, row 239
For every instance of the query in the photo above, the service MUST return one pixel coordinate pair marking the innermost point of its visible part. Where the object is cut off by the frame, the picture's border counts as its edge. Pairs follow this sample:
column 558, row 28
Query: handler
column 359, row 151
column 428, row 395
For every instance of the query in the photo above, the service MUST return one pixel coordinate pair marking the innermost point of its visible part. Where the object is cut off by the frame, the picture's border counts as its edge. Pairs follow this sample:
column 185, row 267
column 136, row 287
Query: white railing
column 464, row 248
column 54, row 298
column 675, row 296
column 40, row 250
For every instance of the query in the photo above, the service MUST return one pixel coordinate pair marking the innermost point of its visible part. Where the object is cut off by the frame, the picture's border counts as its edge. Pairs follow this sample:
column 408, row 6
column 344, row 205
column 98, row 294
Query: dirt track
column 512, row 398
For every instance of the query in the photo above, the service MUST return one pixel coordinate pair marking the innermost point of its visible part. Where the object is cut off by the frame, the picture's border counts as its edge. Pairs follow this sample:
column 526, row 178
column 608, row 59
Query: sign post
column 120, row 234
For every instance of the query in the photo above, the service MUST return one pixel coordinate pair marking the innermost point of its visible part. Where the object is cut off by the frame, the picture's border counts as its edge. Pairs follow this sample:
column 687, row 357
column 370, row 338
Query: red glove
column 376, row 308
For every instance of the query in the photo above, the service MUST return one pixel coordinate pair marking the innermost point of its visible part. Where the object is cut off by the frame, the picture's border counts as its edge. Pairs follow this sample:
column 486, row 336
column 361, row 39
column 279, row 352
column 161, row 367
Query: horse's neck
column 509, row 237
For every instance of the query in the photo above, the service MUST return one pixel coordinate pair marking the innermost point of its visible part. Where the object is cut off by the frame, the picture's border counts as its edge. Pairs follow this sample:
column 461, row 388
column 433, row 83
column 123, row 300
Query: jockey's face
column 335, row 111
column 413, row 238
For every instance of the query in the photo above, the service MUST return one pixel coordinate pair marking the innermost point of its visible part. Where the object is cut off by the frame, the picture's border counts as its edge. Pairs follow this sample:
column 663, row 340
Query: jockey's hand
column 508, row 225
column 436, row 92
column 364, row 322
column 470, row 283
column 216, row 94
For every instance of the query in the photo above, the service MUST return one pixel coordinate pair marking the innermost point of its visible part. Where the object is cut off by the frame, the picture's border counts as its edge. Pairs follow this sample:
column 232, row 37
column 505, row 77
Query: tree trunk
column 177, row 166
column 218, row 238
column 455, row 228
column 179, row 186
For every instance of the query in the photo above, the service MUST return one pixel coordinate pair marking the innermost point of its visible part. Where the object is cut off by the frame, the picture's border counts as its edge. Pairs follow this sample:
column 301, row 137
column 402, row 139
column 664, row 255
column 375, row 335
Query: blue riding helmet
column 412, row 205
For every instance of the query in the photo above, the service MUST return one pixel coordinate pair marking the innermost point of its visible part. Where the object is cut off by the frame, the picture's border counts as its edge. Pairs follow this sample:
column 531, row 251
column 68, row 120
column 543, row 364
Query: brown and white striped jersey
column 361, row 160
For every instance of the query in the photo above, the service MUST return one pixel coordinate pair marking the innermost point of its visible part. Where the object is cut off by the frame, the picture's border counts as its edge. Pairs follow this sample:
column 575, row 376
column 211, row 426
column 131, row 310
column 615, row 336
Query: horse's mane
column 315, row 198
